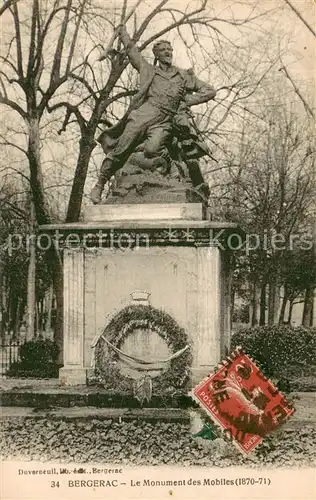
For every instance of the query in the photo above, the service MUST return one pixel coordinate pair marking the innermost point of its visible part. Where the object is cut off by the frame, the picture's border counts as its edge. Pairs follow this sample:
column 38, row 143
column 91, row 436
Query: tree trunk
column 36, row 179
column 2, row 305
column 42, row 217
column 55, row 262
column 254, row 305
column 308, row 306
column 232, row 302
column 9, row 312
column 17, row 319
column 49, row 305
column 283, row 307
column 289, row 319
column 59, row 323
column 277, row 303
column 87, row 144
column 5, row 304
column 40, row 308
column 31, row 297
column 37, row 320
column 273, row 301
column 271, row 296
column 263, row 304
column 13, row 304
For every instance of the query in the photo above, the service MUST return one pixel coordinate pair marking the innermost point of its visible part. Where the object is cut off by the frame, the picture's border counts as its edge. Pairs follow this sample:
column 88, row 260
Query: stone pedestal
column 180, row 264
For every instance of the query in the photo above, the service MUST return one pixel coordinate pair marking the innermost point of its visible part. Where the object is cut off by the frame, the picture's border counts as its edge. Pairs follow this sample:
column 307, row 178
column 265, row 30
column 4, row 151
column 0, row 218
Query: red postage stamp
column 242, row 401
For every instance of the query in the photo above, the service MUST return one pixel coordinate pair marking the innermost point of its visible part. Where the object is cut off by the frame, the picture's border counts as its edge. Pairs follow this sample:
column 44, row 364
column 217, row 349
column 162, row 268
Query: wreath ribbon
column 143, row 361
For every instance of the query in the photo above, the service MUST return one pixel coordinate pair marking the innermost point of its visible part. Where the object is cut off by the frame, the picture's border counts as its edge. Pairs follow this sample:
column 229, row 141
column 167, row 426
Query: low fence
column 10, row 350
column 9, row 353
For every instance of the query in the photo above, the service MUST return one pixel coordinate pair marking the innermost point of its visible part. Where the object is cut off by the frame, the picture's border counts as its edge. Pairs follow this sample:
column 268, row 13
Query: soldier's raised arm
column 135, row 57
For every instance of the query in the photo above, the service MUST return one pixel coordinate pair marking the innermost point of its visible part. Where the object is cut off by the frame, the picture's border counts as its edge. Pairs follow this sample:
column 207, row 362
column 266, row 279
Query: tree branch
column 32, row 38
column 18, row 39
column 75, row 36
column 123, row 15
column 13, row 105
column 12, row 144
column 3, row 86
column 148, row 19
column 6, row 6
column 120, row 95
column 18, row 211
column 55, row 74
column 39, row 52
column 299, row 15
column 308, row 109
column 184, row 20
column 84, row 82
column 49, row 93
column 69, row 110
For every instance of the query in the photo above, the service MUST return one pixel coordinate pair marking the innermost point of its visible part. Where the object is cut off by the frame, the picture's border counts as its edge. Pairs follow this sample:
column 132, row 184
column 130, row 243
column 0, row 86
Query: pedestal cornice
column 226, row 235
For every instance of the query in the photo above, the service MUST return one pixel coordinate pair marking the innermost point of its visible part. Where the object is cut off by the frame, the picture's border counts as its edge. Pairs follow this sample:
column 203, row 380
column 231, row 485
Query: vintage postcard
column 157, row 249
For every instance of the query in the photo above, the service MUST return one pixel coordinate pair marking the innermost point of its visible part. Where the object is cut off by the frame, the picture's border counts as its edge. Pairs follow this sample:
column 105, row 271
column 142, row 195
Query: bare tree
column 31, row 278
column 26, row 89
column 49, row 63
column 270, row 190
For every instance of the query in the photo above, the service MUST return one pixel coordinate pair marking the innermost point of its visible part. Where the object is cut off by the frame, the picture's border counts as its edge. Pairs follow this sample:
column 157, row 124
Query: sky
column 303, row 41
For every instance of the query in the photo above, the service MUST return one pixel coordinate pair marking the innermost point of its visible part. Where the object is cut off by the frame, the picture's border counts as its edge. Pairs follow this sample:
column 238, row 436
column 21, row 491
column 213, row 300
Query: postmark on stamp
column 242, row 401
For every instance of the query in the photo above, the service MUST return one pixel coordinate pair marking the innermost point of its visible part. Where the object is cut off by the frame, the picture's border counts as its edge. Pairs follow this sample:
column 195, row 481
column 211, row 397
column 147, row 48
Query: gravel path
column 143, row 443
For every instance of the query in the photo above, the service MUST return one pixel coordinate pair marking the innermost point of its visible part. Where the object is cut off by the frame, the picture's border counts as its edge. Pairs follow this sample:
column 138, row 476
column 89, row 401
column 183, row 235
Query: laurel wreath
column 173, row 378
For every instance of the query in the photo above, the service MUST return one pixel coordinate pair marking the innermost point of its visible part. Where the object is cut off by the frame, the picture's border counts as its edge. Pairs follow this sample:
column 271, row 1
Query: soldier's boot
column 104, row 177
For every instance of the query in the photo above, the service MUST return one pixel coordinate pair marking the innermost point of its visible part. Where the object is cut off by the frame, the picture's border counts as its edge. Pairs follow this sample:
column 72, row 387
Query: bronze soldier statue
column 165, row 91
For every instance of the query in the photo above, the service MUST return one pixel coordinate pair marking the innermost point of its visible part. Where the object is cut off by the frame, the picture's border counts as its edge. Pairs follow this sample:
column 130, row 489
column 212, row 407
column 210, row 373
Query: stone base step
column 152, row 415
column 86, row 396
column 88, row 412
column 142, row 212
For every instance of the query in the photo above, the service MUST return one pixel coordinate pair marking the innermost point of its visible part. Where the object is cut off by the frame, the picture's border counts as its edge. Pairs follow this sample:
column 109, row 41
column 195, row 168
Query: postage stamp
column 239, row 398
